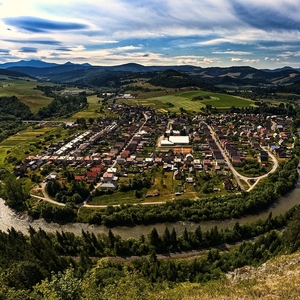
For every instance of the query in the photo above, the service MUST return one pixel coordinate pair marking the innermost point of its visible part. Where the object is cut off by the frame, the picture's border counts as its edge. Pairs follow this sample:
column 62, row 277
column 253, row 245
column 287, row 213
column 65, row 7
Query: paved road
column 238, row 176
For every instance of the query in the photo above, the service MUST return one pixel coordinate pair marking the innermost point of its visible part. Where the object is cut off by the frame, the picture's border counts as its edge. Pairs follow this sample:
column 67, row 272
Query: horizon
column 208, row 33
column 134, row 63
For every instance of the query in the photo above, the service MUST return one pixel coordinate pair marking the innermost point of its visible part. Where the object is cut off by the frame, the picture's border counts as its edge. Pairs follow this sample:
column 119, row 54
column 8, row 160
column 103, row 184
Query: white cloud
column 251, row 61
column 127, row 48
column 232, row 52
column 236, row 59
column 245, row 60
column 124, row 30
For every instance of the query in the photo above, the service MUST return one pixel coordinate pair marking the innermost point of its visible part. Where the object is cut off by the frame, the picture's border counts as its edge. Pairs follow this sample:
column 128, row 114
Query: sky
column 204, row 33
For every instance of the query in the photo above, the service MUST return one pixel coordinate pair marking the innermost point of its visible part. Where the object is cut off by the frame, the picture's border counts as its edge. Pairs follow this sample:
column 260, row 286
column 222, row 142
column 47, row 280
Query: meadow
column 24, row 91
column 28, row 142
column 173, row 102
column 92, row 111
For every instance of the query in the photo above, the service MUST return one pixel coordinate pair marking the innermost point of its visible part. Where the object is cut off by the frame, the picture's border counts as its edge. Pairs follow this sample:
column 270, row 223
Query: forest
column 60, row 265
column 12, row 112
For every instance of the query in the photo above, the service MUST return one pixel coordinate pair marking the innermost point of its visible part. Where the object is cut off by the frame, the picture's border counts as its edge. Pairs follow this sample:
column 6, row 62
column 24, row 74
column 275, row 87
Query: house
column 228, row 185
column 112, row 185
column 177, row 175
column 79, row 177
column 108, row 177
column 51, row 176
column 263, row 156
column 189, row 180
column 121, row 161
column 91, row 176
column 152, row 193
column 236, row 161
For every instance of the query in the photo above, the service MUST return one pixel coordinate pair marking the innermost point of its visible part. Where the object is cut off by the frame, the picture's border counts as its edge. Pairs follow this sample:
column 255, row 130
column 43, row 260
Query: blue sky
column 206, row 33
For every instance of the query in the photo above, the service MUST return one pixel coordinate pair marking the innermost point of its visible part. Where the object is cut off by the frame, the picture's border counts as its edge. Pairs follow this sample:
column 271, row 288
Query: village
column 187, row 153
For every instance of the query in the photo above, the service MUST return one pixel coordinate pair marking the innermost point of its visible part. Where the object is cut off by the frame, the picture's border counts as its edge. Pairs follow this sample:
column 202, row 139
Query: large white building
column 176, row 141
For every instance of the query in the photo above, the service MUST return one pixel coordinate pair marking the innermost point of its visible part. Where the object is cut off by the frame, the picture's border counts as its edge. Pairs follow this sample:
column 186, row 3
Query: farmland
column 92, row 111
column 174, row 102
column 26, row 142
column 25, row 92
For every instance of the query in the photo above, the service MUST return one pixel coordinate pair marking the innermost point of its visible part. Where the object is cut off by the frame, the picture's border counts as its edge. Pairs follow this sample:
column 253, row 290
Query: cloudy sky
column 258, row 33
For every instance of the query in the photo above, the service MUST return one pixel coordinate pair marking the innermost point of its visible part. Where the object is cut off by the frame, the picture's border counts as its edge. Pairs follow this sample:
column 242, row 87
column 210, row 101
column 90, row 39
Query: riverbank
column 21, row 222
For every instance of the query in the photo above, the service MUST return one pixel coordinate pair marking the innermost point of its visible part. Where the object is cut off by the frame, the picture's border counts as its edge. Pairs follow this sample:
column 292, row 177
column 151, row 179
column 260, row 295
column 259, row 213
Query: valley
column 135, row 168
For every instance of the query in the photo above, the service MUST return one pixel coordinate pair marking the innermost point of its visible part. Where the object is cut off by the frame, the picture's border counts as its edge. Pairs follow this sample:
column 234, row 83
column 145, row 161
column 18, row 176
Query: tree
column 14, row 193
column 292, row 232
column 61, row 286
column 154, row 238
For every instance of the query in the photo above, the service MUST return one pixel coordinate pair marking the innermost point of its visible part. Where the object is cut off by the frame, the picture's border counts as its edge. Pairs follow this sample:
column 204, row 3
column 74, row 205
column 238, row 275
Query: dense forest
column 12, row 112
column 62, row 106
column 175, row 79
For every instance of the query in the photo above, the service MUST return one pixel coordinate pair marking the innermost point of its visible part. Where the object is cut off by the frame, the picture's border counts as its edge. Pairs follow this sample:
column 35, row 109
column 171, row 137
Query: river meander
column 9, row 218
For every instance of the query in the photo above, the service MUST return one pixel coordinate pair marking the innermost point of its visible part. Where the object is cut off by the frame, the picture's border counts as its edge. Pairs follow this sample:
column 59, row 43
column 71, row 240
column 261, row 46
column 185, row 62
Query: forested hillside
column 12, row 112
column 175, row 79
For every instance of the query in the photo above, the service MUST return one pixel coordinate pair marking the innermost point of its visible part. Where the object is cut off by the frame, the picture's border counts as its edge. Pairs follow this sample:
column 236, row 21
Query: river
column 21, row 222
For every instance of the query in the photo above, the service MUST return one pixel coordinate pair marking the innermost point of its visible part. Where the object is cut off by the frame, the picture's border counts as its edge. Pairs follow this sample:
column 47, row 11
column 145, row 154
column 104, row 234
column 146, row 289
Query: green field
column 184, row 100
column 24, row 91
column 92, row 111
column 25, row 142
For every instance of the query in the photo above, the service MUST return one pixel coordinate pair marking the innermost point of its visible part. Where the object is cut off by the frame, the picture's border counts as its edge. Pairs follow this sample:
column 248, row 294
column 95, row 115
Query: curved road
column 238, row 176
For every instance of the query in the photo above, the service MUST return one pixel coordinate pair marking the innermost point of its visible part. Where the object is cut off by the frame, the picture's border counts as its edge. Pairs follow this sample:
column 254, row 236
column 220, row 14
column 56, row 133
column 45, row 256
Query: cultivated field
column 174, row 102
column 24, row 91
column 28, row 142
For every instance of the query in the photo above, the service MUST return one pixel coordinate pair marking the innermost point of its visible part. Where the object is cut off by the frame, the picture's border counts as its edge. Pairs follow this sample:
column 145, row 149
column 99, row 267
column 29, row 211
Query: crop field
column 24, row 91
column 24, row 141
column 174, row 102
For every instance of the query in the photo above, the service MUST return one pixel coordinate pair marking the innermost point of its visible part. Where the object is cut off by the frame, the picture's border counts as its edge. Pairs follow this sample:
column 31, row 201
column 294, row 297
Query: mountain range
column 86, row 74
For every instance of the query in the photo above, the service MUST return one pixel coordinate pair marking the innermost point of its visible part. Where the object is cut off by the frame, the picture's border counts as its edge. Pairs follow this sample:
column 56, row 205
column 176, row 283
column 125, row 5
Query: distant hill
column 28, row 63
column 46, row 71
column 86, row 74
column 132, row 67
column 11, row 73
column 172, row 79
column 281, row 69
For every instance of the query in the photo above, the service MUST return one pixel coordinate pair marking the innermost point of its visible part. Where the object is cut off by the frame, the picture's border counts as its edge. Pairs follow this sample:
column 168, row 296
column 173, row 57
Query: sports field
column 24, row 91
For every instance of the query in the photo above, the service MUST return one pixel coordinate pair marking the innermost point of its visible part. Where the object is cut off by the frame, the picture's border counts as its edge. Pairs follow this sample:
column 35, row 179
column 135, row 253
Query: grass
column 92, row 111
column 84, row 213
column 24, row 143
column 184, row 100
column 3, row 152
column 264, row 282
column 25, row 92
column 115, row 198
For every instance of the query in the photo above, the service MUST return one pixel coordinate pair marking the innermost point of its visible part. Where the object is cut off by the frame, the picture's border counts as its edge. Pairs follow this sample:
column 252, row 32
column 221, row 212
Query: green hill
column 10, row 73
column 172, row 79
